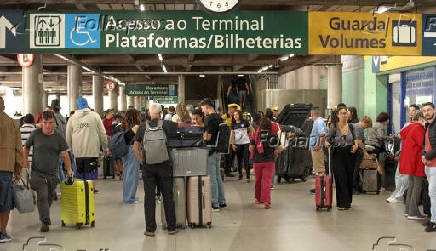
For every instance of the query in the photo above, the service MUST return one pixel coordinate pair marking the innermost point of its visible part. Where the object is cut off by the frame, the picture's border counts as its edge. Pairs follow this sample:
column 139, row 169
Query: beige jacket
column 11, row 151
column 85, row 134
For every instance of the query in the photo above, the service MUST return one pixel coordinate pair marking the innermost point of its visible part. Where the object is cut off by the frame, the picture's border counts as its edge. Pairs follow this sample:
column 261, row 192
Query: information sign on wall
column 365, row 33
column 151, row 90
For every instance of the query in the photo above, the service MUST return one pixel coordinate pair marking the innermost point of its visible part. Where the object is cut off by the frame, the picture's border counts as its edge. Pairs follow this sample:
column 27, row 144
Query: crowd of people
column 343, row 135
column 43, row 151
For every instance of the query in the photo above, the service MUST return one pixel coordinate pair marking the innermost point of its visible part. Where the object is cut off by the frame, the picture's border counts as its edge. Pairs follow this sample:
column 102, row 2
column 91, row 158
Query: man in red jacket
column 107, row 122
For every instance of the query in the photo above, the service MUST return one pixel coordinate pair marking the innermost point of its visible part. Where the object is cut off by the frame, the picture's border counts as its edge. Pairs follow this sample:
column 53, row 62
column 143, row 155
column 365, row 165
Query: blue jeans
column 131, row 176
column 401, row 184
column 216, row 183
column 431, row 177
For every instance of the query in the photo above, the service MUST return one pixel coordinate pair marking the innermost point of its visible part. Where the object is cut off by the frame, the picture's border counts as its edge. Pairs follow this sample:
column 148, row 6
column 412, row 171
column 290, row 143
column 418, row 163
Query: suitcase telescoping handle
column 330, row 162
column 69, row 181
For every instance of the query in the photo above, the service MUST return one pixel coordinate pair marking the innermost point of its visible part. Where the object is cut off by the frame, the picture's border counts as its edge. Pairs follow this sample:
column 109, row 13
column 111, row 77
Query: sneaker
column 420, row 217
column 312, row 191
column 267, row 206
column 393, row 200
column 224, row 205
column 7, row 237
column 44, row 228
column 273, row 187
column 172, row 232
column 149, row 234
column 247, row 180
column 4, row 238
column 216, row 209
column 431, row 227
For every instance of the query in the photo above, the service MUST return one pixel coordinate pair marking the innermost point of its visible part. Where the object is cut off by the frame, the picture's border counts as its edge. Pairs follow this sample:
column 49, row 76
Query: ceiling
column 147, row 68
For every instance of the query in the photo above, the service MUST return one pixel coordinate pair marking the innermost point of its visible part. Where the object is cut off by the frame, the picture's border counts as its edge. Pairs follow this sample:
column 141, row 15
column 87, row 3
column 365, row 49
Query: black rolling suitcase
column 108, row 167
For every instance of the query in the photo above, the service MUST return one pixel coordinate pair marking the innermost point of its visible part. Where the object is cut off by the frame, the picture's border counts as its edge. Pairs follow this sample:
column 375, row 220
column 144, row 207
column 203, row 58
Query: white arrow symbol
column 375, row 59
column 5, row 24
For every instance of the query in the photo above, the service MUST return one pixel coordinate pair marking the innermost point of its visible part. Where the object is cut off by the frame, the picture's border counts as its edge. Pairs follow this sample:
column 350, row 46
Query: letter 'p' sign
column 25, row 60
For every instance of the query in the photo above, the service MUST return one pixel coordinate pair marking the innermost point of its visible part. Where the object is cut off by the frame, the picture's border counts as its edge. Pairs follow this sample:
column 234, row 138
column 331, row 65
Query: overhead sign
column 110, row 86
column 176, row 32
column 171, row 100
column 388, row 63
column 151, row 90
column 12, row 27
column 219, row 6
column 365, row 33
column 25, row 60
column 429, row 35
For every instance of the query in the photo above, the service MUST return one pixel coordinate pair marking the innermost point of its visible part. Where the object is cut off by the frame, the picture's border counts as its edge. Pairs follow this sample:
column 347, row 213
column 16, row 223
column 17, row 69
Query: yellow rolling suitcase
column 77, row 203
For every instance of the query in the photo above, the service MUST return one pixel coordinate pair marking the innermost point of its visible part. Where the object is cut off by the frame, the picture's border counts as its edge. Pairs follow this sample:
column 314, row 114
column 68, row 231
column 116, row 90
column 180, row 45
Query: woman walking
column 265, row 146
column 131, row 122
column 242, row 130
column 343, row 146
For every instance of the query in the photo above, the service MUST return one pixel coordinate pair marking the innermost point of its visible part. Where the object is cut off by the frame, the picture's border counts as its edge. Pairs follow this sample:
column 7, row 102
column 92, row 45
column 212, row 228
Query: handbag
column 23, row 198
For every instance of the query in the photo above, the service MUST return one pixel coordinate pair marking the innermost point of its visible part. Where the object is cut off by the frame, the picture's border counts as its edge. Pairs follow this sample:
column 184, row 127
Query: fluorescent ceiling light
column 86, row 68
column 382, row 9
column 201, row 76
column 284, row 58
column 164, row 68
column 142, row 6
column 160, row 57
column 240, row 75
column 291, row 55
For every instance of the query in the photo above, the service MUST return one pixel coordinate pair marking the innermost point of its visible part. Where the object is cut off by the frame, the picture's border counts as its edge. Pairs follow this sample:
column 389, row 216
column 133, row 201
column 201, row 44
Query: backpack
column 117, row 144
column 155, row 144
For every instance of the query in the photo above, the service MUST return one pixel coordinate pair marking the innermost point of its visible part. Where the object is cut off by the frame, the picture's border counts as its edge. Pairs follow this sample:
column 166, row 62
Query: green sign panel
column 173, row 100
column 151, row 90
column 169, row 32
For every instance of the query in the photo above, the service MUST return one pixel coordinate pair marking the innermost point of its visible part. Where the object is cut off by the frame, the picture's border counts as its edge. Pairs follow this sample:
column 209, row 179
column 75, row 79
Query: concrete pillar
column 334, row 87
column 74, row 80
column 138, row 103
column 45, row 99
column 146, row 104
column 58, row 96
column 219, row 90
column 33, row 87
column 113, row 99
column 130, row 101
column 122, row 106
column 98, row 93
column 181, row 88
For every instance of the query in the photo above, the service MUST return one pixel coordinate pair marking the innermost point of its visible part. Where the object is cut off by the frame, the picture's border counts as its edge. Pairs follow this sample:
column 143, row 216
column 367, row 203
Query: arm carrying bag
column 23, row 198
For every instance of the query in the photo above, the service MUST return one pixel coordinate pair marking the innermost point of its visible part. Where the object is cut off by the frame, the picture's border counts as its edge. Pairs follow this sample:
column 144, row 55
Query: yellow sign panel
column 396, row 62
column 364, row 33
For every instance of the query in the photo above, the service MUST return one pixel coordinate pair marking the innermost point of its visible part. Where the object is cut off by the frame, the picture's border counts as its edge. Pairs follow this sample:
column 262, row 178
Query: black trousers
column 228, row 163
column 242, row 155
column 343, row 168
column 159, row 175
column 357, row 183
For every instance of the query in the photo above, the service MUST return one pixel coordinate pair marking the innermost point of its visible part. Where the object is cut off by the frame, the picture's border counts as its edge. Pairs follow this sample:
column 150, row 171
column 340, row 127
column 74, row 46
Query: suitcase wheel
column 79, row 225
column 63, row 223
column 93, row 224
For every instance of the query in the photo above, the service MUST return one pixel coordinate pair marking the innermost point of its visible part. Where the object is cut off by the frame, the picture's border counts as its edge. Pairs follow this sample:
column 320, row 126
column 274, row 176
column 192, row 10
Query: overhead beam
column 300, row 61
column 252, row 2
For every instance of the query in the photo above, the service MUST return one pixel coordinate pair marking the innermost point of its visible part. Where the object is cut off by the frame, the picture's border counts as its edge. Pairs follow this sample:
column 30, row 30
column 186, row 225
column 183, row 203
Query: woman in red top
column 411, row 164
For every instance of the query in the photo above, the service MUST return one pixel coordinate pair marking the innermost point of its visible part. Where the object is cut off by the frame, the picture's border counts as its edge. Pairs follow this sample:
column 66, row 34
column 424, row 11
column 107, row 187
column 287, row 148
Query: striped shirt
column 26, row 130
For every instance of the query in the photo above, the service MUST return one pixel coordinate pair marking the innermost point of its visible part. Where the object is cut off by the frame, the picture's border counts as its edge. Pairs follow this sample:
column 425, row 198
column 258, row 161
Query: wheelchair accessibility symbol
column 82, row 31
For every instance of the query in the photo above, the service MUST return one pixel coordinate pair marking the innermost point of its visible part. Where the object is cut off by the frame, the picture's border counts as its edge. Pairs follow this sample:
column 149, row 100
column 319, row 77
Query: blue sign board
column 429, row 35
column 82, row 31
column 12, row 27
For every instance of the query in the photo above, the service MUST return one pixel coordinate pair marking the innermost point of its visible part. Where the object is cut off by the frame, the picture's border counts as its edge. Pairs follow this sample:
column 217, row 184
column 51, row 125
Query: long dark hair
column 354, row 118
column 241, row 118
column 131, row 118
column 265, row 124
column 335, row 113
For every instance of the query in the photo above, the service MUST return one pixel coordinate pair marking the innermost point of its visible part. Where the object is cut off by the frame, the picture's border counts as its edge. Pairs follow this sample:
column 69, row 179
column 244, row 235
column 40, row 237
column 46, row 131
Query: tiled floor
column 292, row 224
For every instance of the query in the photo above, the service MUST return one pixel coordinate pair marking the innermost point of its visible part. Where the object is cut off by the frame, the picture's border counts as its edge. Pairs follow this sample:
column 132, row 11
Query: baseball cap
column 82, row 103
